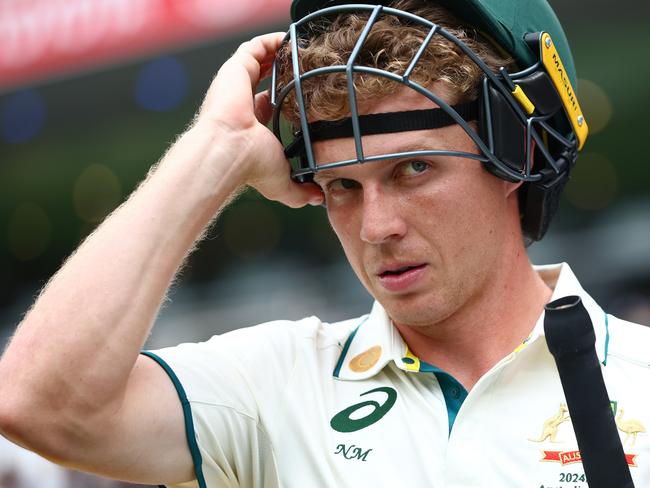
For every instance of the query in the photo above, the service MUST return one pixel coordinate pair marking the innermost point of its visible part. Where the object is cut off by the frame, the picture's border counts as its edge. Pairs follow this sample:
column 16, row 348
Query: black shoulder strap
column 571, row 339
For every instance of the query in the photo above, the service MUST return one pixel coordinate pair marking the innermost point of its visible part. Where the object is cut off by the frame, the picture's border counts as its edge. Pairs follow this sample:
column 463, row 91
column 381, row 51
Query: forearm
column 71, row 385
column 76, row 347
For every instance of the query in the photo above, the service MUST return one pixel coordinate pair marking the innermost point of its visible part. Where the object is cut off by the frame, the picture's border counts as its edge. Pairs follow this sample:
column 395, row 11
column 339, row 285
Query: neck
column 487, row 328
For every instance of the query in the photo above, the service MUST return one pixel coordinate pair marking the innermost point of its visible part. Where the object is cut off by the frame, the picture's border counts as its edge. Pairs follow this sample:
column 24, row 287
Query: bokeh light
column 594, row 182
column 596, row 105
column 96, row 193
column 29, row 231
column 161, row 84
column 22, row 116
column 251, row 229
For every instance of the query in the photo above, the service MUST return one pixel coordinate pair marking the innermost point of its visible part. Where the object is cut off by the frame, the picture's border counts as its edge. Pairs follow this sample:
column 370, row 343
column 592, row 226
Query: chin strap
column 382, row 123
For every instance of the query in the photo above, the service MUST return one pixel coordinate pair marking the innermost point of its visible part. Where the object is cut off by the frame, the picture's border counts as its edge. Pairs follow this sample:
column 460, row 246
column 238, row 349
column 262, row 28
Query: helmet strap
column 383, row 123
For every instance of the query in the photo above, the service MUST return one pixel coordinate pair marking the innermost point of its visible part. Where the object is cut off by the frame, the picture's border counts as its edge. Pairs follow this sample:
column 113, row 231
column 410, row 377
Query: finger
column 263, row 108
column 264, row 46
column 265, row 70
column 257, row 52
column 317, row 197
column 240, row 74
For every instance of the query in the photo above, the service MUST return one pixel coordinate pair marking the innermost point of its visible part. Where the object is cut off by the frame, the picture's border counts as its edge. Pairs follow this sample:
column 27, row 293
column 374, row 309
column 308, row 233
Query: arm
column 73, row 386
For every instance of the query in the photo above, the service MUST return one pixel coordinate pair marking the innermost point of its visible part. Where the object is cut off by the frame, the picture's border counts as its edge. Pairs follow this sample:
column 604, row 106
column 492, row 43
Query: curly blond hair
column 390, row 45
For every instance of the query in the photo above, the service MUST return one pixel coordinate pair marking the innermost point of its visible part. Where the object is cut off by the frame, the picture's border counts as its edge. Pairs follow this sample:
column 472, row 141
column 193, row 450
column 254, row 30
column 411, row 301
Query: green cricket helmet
column 528, row 125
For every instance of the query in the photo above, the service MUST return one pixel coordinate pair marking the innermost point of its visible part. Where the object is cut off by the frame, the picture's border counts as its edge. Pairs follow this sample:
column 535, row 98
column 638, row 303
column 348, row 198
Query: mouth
column 402, row 279
column 400, row 271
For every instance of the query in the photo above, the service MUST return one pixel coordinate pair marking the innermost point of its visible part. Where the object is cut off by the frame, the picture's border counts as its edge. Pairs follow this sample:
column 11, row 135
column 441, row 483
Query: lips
column 402, row 278
column 398, row 270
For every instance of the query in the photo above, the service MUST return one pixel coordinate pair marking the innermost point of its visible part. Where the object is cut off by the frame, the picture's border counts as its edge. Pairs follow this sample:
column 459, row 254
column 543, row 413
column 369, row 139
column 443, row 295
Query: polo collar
column 376, row 341
column 370, row 347
column 563, row 281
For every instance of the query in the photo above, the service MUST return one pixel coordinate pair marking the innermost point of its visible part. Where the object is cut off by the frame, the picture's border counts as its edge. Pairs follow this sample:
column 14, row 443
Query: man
column 448, row 381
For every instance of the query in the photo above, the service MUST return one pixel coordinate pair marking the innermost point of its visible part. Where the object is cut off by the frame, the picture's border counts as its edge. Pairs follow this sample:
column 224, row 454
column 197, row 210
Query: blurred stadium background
column 92, row 92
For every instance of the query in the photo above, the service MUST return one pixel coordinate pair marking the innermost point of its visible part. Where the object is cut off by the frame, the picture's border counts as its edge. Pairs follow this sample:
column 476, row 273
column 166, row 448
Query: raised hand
column 238, row 115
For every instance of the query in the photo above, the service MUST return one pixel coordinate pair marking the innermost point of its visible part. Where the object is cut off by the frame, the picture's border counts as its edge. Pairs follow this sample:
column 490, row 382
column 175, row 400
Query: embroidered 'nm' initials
column 352, row 452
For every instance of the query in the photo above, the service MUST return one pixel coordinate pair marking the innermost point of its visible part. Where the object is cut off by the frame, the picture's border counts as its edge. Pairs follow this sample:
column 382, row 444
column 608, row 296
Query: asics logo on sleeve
column 344, row 421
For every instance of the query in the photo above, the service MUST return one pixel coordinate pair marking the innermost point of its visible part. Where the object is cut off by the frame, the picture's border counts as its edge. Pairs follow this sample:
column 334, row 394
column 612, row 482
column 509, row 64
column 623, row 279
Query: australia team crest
column 556, row 430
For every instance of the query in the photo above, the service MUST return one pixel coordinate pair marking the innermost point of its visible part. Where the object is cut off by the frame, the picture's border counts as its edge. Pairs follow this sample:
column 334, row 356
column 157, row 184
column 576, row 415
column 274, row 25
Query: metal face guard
column 524, row 131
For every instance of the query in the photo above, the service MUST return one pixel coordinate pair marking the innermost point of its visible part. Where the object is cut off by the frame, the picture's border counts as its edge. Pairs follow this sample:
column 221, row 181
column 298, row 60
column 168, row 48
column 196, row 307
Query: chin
column 415, row 309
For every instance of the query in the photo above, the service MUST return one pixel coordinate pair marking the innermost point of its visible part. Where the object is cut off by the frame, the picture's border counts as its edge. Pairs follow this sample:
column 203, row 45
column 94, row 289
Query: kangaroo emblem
column 549, row 431
column 631, row 427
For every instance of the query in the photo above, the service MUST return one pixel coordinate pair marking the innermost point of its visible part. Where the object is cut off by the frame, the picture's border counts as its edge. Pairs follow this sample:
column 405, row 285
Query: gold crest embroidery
column 631, row 427
column 366, row 360
column 549, row 431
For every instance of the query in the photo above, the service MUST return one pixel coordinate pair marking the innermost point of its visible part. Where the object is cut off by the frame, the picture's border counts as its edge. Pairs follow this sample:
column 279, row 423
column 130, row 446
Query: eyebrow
column 411, row 147
column 325, row 174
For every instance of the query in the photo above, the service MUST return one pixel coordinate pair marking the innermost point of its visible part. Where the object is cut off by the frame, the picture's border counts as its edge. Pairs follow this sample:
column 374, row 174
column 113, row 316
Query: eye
column 342, row 184
column 412, row 168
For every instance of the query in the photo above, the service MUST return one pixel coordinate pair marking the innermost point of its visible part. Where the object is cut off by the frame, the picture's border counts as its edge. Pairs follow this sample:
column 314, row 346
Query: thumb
column 298, row 195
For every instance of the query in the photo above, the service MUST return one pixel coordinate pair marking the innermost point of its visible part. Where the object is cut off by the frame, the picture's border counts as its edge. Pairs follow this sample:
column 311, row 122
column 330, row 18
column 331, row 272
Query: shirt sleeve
column 229, row 386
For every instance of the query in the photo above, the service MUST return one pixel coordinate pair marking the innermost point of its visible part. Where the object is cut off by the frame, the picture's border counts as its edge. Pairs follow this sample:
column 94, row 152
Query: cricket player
column 438, row 135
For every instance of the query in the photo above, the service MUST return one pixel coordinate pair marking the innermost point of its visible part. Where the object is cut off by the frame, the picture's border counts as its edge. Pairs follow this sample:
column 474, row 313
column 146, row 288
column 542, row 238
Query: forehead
column 452, row 137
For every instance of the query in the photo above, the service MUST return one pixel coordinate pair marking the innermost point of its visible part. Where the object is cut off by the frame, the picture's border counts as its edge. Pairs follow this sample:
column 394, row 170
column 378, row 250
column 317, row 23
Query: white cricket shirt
column 310, row 404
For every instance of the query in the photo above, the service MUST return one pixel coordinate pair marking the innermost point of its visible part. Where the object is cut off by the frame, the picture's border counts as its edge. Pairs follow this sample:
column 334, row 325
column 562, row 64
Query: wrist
column 226, row 154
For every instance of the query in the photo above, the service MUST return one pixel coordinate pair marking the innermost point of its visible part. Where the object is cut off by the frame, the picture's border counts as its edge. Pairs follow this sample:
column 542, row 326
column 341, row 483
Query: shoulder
column 308, row 332
column 310, row 329
column 628, row 341
column 280, row 337
column 259, row 356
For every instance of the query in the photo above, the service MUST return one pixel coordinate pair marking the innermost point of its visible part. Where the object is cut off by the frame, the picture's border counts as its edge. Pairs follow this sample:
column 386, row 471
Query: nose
column 381, row 218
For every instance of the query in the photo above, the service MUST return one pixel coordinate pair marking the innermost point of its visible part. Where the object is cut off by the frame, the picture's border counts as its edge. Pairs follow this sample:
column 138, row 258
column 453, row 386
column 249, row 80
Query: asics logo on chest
column 344, row 421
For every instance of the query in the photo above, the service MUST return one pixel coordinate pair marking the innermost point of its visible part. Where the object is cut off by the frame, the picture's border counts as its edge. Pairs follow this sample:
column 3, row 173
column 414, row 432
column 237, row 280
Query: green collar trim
column 606, row 339
column 453, row 392
column 346, row 346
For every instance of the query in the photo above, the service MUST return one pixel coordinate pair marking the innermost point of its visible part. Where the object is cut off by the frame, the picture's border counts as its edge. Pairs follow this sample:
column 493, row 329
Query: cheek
column 480, row 214
column 460, row 209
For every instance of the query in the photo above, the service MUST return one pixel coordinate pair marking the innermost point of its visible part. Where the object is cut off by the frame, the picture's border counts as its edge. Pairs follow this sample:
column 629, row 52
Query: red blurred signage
column 45, row 38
